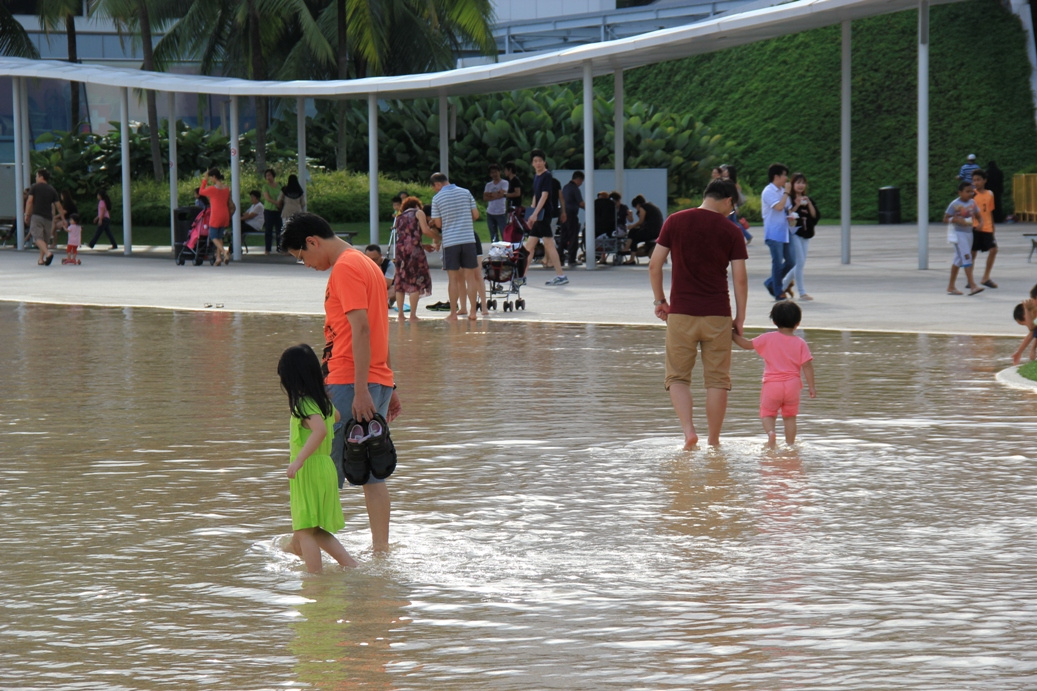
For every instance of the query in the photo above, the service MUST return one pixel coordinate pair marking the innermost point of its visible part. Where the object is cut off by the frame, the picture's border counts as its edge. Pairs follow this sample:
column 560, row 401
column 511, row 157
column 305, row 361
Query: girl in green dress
column 312, row 478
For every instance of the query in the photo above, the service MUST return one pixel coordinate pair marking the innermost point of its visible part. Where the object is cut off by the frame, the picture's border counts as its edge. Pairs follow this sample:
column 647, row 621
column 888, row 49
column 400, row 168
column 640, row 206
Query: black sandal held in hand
column 381, row 452
column 355, row 463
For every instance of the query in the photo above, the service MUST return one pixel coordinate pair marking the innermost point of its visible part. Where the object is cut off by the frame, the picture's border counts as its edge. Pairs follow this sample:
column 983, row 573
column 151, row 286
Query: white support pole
column 19, row 181
column 588, row 165
column 28, row 175
column 844, row 147
column 372, row 162
column 618, row 128
column 235, row 177
column 923, row 134
column 300, row 139
column 124, row 135
column 174, row 191
column 444, row 136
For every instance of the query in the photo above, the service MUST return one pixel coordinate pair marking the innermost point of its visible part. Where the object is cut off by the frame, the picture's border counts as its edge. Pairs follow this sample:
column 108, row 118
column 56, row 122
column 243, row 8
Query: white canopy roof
column 539, row 70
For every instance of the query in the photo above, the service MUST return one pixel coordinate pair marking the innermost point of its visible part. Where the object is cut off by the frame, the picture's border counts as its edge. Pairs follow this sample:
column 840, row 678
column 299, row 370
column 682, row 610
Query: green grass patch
column 1029, row 370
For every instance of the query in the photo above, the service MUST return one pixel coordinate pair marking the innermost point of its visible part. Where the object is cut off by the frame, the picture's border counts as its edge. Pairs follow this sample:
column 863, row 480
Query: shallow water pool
column 548, row 532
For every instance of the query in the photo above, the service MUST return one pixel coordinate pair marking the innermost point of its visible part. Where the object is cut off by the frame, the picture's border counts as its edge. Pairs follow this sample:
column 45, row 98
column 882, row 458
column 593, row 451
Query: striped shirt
column 454, row 205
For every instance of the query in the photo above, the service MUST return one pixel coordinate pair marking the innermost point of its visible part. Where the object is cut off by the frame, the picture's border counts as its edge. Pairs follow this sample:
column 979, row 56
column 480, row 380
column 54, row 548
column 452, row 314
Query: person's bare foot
column 473, row 316
column 690, row 441
column 485, row 313
column 402, row 318
column 413, row 318
column 452, row 318
column 772, row 440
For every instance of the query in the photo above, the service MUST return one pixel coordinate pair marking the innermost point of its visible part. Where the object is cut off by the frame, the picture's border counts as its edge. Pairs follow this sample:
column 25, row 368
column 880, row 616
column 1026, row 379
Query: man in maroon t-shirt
column 703, row 242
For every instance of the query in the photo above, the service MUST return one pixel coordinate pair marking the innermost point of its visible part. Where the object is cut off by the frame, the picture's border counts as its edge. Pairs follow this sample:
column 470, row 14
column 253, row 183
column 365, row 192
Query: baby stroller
column 197, row 247
column 500, row 269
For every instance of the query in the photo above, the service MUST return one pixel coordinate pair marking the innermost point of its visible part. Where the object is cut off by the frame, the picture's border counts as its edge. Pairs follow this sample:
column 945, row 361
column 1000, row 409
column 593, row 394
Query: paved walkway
column 880, row 290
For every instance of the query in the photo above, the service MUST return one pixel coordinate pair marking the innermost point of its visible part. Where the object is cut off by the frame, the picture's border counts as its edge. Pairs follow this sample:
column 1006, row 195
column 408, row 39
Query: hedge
column 779, row 100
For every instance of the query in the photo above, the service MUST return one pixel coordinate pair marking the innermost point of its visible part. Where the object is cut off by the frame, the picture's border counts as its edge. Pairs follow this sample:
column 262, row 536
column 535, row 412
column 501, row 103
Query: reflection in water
column 548, row 531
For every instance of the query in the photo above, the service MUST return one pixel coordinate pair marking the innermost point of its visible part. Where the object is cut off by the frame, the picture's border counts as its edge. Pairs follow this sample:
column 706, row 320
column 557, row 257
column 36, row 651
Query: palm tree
column 391, row 37
column 14, row 42
column 63, row 12
column 138, row 18
column 239, row 38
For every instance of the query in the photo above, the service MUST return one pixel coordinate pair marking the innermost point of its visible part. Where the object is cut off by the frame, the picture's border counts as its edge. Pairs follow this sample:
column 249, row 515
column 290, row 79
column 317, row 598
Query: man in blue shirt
column 775, row 207
column 454, row 213
column 541, row 216
column 965, row 172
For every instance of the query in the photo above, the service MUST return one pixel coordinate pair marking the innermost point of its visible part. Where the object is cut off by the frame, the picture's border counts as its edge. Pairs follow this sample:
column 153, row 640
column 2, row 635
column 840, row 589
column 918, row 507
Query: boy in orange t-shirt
column 983, row 225
column 356, row 365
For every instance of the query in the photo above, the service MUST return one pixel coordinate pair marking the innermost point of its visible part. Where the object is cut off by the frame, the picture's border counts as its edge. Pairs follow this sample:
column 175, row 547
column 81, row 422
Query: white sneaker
column 558, row 281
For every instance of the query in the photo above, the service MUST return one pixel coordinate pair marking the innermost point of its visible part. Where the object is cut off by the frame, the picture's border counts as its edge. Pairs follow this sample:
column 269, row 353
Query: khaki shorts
column 40, row 228
column 684, row 335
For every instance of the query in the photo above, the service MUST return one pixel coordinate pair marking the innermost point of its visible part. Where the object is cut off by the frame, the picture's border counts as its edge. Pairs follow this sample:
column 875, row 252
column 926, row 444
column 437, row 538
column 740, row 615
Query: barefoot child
column 960, row 213
column 312, row 477
column 75, row 239
column 784, row 355
column 1025, row 314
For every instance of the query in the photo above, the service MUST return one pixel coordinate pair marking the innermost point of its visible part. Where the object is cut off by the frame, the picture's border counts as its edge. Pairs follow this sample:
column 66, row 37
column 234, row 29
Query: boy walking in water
column 960, row 213
column 983, row 225
column 784, row 355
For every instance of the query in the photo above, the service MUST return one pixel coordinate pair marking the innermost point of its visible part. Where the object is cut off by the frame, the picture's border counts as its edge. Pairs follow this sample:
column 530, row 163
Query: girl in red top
column 219, row 205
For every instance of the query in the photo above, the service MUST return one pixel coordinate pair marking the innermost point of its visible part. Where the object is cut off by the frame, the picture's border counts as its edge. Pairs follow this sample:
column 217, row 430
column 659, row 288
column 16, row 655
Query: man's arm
column 28, row 208
column 741, row 281
column 488, row 196
column 513, row 192
column 544, row 196
column 363, row 404
column 475, row 209
column 655, row 277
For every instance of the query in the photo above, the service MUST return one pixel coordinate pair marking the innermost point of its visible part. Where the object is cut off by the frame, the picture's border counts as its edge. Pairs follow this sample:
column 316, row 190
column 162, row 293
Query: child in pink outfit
column 75, row 239
column 784, row 356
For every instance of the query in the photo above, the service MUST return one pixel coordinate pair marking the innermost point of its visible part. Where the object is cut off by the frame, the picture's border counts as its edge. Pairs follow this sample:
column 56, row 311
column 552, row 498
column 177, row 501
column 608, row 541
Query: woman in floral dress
column 412, row 274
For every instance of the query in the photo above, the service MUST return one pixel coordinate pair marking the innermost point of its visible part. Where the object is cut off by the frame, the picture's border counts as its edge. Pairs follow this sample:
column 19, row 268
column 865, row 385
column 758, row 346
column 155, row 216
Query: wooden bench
column 1033, row 244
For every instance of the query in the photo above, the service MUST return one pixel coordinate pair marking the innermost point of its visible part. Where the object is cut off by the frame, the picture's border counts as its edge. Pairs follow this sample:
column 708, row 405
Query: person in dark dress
column 996, row 184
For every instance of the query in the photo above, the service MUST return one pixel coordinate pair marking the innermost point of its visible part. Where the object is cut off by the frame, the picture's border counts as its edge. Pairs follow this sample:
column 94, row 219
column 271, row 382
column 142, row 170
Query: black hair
column 979, row 173
column 732, row 172
column 792, row 188
column 639, row 200
column 271, row 171
column 371, row 248
column 578, row 175
column 403, row 195
column 615, row 196
column 721, row 189
column 1033, row 291
column 75, row 218
column 103, row 194
column 493, row 166
column 1019, row 313
column 301, row 226
column 963, row 184
column 538, row 153
column 256, row 194
column 215, row 173
column 786, row 314
column 775, row 170
column 43, row 173
column 440, row 178
column 293, row 187
column 301, row 378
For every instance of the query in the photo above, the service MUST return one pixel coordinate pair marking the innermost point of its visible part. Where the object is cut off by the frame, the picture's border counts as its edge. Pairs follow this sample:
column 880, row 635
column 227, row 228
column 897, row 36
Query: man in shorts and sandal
column 543, row 191
column 454, row 213
column 703, row 243
column 39, row 214
column 356, row 364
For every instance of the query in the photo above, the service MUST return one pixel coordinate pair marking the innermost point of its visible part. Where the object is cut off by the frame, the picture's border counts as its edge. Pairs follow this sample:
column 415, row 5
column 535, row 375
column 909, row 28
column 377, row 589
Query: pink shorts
column 780, row 395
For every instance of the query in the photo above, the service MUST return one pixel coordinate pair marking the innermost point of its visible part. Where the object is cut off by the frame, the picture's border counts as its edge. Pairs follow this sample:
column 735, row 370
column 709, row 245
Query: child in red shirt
column 784, row 355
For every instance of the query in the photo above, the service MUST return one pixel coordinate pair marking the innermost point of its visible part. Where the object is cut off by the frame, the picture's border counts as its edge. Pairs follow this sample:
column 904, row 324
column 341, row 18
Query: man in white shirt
column 495, row 194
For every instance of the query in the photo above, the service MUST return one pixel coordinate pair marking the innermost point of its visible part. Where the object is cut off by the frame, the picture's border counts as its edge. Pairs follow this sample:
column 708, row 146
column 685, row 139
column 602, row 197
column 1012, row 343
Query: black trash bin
column 183, row 219
column 889, row 205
